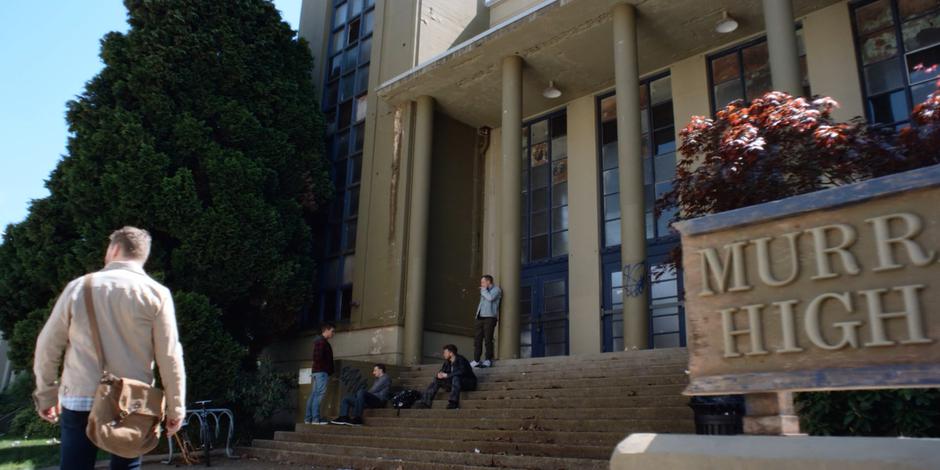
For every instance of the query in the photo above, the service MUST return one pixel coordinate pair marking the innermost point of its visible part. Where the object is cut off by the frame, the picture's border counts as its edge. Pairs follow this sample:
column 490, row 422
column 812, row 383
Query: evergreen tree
column 203, row 128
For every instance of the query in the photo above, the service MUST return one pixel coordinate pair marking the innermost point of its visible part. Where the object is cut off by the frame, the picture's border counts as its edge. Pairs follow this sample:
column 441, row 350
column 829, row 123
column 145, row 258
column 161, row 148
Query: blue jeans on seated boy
column 77, row 452
column 361, row 400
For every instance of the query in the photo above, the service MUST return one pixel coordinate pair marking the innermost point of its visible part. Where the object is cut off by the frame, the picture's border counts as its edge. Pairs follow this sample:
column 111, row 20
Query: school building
column 528, row 139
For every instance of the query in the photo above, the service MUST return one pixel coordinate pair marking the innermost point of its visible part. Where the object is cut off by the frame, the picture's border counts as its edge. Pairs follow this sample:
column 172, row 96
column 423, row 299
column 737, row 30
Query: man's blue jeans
column 77, row 452
column 318, row 382
column 362, row 399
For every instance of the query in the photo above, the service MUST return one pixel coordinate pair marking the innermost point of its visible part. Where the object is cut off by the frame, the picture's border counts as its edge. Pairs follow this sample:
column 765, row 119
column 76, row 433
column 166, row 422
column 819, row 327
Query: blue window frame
column 897, row 45
column 344, row 105
column 743, row 72
column 545, row 189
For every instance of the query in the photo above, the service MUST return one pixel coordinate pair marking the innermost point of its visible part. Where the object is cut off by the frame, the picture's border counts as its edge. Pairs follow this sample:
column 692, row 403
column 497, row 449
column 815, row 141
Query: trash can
column 718, row 415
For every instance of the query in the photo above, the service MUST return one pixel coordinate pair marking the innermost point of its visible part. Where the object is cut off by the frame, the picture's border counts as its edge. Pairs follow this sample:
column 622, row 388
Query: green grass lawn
column 28, row 453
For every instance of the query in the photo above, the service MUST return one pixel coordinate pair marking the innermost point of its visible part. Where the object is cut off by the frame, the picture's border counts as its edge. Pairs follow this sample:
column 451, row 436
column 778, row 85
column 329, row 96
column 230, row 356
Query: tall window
column 545, row 189
column 743, row 72
column 344, row 109
column 898, row 47
column 658, row 146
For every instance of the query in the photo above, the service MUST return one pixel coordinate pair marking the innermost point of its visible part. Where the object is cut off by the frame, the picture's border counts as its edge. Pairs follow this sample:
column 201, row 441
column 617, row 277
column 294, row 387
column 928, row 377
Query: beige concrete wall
column 369, row 345
column 315, row 28
column 501, row 10
column 830, row 59
column 445, row 23
column 453, row 262
column 584, row 268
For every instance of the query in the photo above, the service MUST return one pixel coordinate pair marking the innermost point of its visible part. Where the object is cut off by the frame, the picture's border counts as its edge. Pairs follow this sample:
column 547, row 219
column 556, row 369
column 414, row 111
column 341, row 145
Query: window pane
column 346, row 307
column 540, row 199
column 611, row 181
column 355, row 169
column 560, row 244
column 559, row 126
column 665, row 140
column 889, row 108
column 368, row 22
column 332, row 90
column 756, row 71
column 920, row 92
column 559, row 146
column 667, row 324
column 647, row 171
column 560, row 195
column 345, row 114
column 924, row 64
column 365, row 51
column 609, row 152
column 352, row 32
column 560, row 171
column 339, row 15
column 726, row 93
column 355, row 7
column 540, row 176
column 662, row 223
column 353, row 198
column 339, row 40
column 612, row 207
column 362, row 105
column 884, row 76
column 879, row 46
column 922, row 32
column 662, row 115
column 349, row 264
column 616, row 279
column 346, row 87
column 362, row 79
column 560, row 218
column 539, row 247
column 609, row 109
column 664, row 289
column 873, row 17
column 350, row 236
column 612, row 233
column 725, row 68
column 539, row 154
column 661, row 90
column 666, row 341
column 539, row 223
column 342, row 145
column 339, row 174
column 665, row 167
column 336, row 66
column 644, row 121
column 359, row 132
column 540, row 131
column 911, row 8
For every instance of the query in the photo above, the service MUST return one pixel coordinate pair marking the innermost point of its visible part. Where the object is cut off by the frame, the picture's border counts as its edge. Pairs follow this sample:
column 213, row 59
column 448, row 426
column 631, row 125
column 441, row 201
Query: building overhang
column 570, row 43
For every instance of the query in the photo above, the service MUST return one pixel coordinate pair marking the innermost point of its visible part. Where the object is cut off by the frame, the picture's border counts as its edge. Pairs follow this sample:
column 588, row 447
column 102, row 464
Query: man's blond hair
column 134, row 242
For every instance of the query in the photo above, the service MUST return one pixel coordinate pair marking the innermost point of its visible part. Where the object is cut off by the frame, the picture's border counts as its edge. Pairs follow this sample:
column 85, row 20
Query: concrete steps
column 542, row 413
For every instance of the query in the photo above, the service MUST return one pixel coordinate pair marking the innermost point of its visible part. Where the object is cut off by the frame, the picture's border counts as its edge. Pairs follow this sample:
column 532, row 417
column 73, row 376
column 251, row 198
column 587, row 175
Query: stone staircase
column 544, row 413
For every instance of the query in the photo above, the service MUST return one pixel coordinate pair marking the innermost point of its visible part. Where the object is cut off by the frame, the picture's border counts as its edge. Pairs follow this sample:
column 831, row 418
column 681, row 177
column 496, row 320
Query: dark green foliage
column 258, row 395
column 212, row 356
column 907, row 412
column 23, row 340
column 202, row 128
column 17, row 414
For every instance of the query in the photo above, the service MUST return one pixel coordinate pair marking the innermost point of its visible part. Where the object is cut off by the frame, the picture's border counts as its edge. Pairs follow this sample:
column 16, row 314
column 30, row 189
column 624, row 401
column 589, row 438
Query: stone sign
column 837, row 289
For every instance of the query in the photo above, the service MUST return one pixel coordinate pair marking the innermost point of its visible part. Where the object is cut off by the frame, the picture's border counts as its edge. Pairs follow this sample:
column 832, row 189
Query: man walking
column 487, row 316
column 137, row 322
column 374, row 398
column 455, row 375
column 320, row 373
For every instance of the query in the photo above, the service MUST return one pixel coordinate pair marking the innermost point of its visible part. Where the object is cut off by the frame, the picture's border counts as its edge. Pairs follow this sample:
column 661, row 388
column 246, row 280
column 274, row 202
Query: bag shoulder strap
column 93, row 323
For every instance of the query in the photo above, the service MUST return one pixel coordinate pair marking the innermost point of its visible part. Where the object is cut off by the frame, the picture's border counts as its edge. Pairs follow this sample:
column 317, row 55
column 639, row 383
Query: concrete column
column 632, row 210
column 418, row 230
column 781, row 47
column 510, row 256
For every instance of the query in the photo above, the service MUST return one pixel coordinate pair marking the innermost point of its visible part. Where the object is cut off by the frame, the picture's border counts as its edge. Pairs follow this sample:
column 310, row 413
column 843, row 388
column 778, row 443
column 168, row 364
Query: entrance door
column 544, row 322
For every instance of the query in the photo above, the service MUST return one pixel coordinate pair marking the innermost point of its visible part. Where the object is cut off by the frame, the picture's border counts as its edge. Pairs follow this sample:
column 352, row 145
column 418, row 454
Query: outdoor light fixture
column 551, row 92
column 726, row 24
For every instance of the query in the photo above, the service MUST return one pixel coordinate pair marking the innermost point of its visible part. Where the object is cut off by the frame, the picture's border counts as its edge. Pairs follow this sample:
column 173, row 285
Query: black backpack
column 405, row 399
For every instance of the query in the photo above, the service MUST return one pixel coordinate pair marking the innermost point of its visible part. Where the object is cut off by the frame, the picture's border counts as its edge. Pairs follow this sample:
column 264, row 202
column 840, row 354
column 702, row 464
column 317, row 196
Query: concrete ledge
column 680, row 451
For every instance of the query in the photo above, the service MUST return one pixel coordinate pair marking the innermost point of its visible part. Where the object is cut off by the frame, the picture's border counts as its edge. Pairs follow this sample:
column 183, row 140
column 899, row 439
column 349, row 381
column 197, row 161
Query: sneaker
column 452, row 405
column 357, row 421
column 474, row 364
column 319, row 422
column 340, row 420
column 307, row 421
column 487, row 363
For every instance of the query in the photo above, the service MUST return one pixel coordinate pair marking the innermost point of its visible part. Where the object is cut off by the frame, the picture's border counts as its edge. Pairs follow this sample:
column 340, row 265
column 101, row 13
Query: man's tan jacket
column 138, row 325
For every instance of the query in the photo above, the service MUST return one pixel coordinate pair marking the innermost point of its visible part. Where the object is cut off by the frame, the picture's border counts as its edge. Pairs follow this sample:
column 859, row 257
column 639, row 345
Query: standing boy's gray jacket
column 489, row 302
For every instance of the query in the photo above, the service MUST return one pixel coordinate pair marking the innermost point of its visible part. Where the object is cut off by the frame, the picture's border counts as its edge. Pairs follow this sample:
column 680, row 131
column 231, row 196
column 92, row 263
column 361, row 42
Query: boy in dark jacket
column 455, row 375
column 320, row 373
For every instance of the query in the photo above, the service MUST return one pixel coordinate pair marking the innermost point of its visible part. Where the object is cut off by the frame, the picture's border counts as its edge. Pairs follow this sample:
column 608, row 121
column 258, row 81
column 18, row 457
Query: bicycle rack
column 203, row 415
